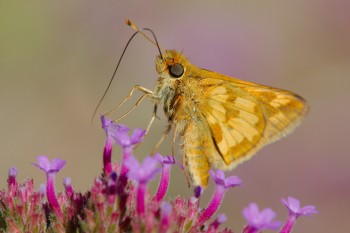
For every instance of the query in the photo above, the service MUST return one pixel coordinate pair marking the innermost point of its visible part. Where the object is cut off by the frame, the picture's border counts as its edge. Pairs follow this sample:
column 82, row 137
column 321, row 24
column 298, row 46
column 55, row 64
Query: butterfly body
column 223, row 120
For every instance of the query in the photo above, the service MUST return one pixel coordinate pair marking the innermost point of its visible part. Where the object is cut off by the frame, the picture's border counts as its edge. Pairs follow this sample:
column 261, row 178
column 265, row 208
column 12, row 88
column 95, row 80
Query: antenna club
column 131, row 24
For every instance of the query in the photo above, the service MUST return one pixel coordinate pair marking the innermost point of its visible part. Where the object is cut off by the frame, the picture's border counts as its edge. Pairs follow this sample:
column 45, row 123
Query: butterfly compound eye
column 176, row 70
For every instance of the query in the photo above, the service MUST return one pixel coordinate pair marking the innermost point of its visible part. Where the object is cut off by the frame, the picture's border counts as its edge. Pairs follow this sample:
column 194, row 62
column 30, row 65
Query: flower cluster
column 120, row 201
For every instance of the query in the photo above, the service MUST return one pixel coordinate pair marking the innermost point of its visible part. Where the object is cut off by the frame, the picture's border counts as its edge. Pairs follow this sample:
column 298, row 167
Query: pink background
column 56, row 58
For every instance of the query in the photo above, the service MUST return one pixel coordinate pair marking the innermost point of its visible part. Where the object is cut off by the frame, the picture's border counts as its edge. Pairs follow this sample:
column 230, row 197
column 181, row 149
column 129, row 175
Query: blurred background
column 56, row 58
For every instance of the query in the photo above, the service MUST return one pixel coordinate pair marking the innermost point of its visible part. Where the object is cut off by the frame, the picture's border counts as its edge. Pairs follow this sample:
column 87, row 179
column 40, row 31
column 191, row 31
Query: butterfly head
column 173, row 65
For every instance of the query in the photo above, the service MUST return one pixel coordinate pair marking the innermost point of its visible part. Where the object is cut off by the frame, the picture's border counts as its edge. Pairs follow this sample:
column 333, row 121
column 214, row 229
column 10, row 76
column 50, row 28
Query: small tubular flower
column 259, row 220
column 167, row 162
column 51, row 169
column 142, row 173
column 222, row 184
column 294, row 212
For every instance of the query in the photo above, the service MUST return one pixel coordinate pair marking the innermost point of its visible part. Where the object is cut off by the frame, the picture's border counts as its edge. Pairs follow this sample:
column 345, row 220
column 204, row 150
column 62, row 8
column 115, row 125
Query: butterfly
column 222, row 121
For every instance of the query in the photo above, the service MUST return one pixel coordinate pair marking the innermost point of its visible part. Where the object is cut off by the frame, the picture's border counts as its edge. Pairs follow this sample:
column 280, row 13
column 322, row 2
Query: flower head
column 142, row 172
column 112, row 128
column 49, row 167
column 164, row 160
column 120, row 133
column 260, row 220
column 219, row 178
column 293, row 206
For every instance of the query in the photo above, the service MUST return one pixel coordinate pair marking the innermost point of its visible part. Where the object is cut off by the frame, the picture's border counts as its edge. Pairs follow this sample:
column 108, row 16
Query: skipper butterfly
column 223, row 120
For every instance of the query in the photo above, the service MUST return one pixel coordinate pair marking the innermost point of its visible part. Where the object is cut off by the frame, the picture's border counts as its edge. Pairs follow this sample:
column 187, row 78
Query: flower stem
column 163, row 183
column 289, row 224
column 107, row 156
column 51, row 195
column 140, row 199
column 213, row 205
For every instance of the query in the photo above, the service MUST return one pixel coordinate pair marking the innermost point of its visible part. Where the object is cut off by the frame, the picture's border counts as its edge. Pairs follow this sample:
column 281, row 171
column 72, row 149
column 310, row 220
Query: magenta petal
column 134, row 167
column 144, row 172
column 308, row 210
column 232, row 181
column 293, row 206
column 150, row 166
column 57, row 164
column 159, row 157
column 219, row 178
column 267, row 215
column 54, row 166
column 137, row 136
column 43, row 163
column 250, row 212
column 105, row 122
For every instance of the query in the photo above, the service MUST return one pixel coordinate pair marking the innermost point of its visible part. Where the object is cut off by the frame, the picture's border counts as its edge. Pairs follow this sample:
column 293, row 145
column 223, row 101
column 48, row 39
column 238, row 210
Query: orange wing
column 239, row 118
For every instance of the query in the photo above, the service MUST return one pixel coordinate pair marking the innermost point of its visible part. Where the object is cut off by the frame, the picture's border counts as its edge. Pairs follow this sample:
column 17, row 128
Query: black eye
column 176, row 70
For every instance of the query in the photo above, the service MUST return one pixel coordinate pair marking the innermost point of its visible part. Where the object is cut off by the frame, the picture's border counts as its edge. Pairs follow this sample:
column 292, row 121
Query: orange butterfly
column 223, row 120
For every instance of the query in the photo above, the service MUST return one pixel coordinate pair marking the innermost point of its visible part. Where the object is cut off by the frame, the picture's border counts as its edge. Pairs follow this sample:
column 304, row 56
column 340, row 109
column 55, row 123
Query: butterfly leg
column 165, row 134
column 154, row 116
column 133, row 107
column 128, row 97
column 147, row 93
column 173, row 142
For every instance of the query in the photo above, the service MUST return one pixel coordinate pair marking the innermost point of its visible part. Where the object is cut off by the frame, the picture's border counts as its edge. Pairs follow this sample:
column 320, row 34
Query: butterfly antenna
column 129, row 23
column 115, row 71
column 155, row 42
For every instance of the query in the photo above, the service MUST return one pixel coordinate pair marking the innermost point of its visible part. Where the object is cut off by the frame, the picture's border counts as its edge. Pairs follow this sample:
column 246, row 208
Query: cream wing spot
column 249, row 117
column 218, row 111
column 237, row 135
column 220, row 98
column 243, row 127
column 279, row 101
column 244, row 104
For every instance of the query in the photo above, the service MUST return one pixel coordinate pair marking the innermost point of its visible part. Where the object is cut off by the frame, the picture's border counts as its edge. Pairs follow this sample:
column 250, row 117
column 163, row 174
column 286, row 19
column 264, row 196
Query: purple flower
column 51, row 169
column 294, row 210
column 117, row 133
column 120, row 133
column 293, row 206
column 111, row 130
column 142, row 173
column 219, row 178
column 222, row 184
column 259, row 220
